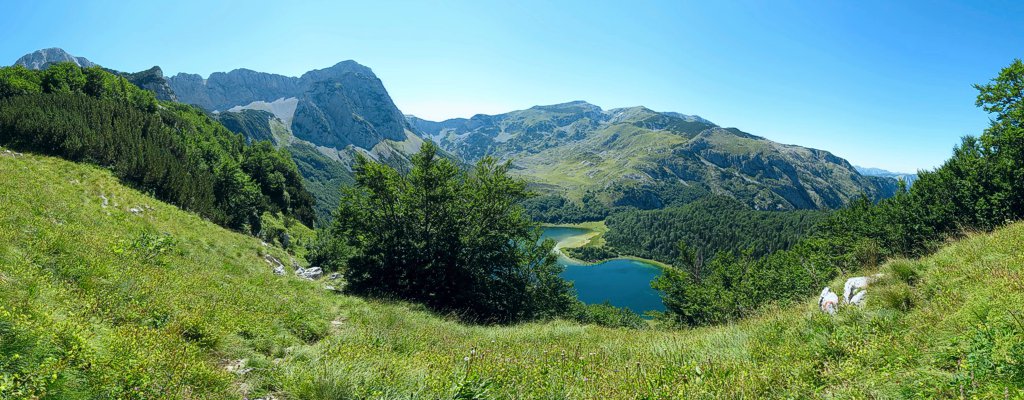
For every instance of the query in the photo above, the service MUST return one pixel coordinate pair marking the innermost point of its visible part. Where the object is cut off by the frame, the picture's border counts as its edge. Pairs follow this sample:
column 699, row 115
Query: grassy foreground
column 100, row 302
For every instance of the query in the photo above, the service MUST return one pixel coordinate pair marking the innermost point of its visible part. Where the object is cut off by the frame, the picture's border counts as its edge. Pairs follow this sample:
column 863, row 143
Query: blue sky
column 880, row 83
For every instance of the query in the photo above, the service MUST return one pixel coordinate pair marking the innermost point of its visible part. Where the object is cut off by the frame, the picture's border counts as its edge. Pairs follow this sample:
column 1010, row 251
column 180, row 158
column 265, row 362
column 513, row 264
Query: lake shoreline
column 595, row 232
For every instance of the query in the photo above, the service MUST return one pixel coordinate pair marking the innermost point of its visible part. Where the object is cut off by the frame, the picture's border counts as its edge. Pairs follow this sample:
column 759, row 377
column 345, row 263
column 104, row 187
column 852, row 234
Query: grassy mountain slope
column 630, row 156
column 99, row 302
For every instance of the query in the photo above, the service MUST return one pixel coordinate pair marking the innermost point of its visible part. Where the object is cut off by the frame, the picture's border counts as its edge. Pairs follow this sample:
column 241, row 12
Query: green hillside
column 97, row 301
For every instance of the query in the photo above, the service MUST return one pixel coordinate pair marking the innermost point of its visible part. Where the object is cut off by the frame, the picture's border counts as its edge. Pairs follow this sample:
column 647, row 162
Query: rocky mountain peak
column 344, row 104
column 40, row 59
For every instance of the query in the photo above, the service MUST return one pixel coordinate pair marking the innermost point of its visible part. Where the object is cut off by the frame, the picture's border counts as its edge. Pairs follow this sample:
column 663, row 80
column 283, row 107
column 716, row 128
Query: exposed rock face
column 313, row 273
column 627, row 156
column 152, row 80
column 224, row 90
column 40, row 59
column 355, row 104
column 343, row 105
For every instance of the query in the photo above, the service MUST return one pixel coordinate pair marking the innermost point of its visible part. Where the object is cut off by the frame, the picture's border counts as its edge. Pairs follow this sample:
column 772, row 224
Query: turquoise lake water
column 622, row 282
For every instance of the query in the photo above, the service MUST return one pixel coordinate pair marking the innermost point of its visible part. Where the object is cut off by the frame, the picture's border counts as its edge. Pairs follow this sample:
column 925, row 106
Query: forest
column 708, row 225
column 174, row 151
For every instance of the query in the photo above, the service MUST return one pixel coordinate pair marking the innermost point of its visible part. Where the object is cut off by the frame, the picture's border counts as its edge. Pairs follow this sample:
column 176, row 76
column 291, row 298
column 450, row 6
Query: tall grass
column 98, row 302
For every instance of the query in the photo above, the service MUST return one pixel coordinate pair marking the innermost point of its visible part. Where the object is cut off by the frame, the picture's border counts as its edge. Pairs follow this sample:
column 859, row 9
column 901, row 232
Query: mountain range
column 633, row 157
column 908, row 178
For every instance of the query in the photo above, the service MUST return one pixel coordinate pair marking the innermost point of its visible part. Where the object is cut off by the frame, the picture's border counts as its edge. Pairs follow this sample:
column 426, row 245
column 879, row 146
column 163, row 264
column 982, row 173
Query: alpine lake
column 623, row 282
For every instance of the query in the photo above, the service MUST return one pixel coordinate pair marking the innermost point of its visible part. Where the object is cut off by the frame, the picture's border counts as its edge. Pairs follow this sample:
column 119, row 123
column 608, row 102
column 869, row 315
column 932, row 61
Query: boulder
column 277, row 265
column 310, row 273
column 855, row 290
column 828, row 301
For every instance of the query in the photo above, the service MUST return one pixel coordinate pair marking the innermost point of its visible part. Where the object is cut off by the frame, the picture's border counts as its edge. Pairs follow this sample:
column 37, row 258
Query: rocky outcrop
column 40, row 59
column 152, row 80
column 312, row 273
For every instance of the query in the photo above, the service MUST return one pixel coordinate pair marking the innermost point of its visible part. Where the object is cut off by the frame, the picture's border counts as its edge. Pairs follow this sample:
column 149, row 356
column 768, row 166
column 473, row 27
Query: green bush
column 897, row 296
column 905, row 271
column 607, row 315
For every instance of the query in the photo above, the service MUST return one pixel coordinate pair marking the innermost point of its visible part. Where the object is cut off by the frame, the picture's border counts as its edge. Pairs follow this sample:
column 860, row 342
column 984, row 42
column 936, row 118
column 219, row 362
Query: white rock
column 855, row 290
column 828, row 301
column 310, row 273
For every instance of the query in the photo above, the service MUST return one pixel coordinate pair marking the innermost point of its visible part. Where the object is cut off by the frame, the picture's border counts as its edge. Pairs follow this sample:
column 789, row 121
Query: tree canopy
column 457, row 241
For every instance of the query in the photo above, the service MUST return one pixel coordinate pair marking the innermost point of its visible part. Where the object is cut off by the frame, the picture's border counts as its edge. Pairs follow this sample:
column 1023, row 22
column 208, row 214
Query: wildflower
column 466, row 359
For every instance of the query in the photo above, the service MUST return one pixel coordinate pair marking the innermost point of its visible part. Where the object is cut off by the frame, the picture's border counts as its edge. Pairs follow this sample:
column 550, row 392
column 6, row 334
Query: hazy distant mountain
column 906, row 177
column 639, row 157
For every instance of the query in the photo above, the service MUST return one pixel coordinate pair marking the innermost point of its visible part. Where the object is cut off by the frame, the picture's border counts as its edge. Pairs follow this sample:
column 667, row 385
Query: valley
column 255, row 235
column 206, row 316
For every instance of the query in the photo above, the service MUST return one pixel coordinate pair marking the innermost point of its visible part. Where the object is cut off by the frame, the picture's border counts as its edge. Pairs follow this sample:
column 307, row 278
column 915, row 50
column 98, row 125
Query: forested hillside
column 175, row 151
column 708, row 225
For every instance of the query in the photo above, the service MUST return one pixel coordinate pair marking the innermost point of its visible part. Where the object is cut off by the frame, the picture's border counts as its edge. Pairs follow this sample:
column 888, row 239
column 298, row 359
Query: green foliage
column 455, row 241
column 710, row 225
column 286, row 232
column 63, row 78
column 280, row 181
column 904, row 270
column 18, row 80
column 147, row 246
column 607, row 315
column 324, row 177
column 252, row 123
column 558, row 210
column 173, row 151
column 898, row 297
column 591, row 253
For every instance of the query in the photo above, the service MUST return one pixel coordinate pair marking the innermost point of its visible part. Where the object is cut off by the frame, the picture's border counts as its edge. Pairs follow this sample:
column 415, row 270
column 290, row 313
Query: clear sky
column 880, row 83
